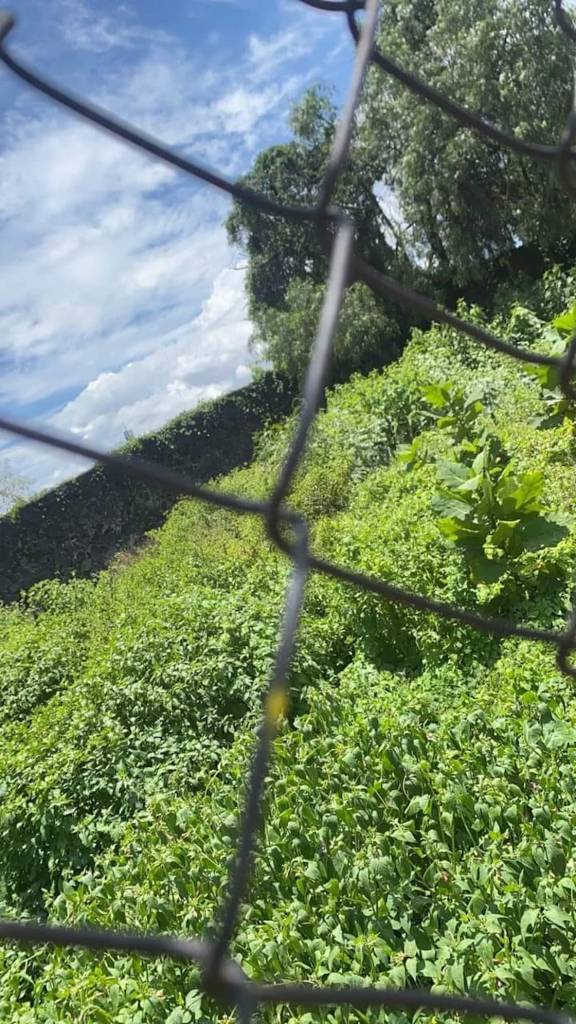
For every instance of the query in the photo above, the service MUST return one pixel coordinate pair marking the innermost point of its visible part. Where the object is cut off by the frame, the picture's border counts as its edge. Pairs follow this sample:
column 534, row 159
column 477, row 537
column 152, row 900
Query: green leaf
column 457, row 976
column 475, row 399
column 566, row 322
column 474, row 483
column 404, row 452
column 437, row 394
column 457, row 531
column 557, row 916
column 411, row 965
column 485, row 570
column 503, row 532
column 520, row 495
column 446, row 505
column 451, row 474
column 480, row 463
column 542, row 532
column 418, row 805
column 528, row 920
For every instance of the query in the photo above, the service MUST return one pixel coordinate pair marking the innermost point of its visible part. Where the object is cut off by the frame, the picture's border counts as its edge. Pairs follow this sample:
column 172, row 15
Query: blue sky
column 121, row 303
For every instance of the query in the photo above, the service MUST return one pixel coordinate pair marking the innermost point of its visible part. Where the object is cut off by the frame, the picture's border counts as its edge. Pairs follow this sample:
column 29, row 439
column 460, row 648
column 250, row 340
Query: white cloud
column 200, row 360
column 118, row 306
column 105, row 250
column 268, row 54
column 84, row 29
column 197, row 360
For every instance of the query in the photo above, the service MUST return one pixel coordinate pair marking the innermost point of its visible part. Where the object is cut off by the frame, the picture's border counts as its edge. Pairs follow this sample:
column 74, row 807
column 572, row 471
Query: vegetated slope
column 421, row 809
column 78, row 527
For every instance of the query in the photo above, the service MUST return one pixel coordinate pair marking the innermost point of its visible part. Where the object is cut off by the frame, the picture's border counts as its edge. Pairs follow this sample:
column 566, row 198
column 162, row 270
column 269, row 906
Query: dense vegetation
column 421, row 809
column 463, row 199
column 80, row 525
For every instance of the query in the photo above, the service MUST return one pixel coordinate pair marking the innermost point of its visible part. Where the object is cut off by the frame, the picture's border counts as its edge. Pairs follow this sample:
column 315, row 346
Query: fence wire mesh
column 222, row 977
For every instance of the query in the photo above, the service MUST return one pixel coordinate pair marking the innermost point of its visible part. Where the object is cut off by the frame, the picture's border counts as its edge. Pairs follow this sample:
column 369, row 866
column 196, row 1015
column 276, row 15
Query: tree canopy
column 432, row 200
column 280, row 250
column 465, row 200
column 287, row 263
column 367, row 333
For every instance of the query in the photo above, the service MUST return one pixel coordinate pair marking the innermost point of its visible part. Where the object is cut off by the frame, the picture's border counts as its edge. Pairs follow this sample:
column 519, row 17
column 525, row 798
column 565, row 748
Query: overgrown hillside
column 421, row 811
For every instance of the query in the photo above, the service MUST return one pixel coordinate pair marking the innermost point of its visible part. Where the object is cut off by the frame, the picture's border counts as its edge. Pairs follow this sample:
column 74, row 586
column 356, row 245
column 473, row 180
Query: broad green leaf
column 541, row 532
column 474, row 397
column 503, row 532
column 457, row 531
column 549, row 376
column 447, row 505
column 566, row 322
column 473, row 483
column 411, row 965
column 557, row 916
column 451, row 474
column 485, row 570
column 556, row 857
column 405, row 452
column 528, row 920
column 418, row 805
column 520, row 495
column 457, row 976
column 480, row 463
column 437, row 394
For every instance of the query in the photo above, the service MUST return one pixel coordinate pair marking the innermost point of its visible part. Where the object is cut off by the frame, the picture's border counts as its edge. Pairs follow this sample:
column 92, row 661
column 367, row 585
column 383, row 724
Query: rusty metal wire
column 222, row 977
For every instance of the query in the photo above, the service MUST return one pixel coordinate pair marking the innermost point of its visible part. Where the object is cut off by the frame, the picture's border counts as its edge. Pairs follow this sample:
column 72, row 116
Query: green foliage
column 77, row 527
column 493, row 513
column 366, row 333
column 558, row 335
column 454, row 409
column 287, row 262
column 420, row 807
column 463, row 200
column 279, row 250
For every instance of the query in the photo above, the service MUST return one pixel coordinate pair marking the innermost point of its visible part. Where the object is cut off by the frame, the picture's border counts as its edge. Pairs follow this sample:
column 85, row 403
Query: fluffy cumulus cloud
column 121, row 304
column 199, row 360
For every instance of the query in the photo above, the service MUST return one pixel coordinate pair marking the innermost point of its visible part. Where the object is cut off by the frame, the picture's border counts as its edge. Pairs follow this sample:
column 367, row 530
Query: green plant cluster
column 420, row 810
column 493, row 513
column 559, row 335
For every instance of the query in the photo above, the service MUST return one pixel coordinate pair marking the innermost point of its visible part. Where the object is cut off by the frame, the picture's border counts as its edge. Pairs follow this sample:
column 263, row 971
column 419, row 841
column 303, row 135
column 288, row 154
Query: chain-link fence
column 222, row 976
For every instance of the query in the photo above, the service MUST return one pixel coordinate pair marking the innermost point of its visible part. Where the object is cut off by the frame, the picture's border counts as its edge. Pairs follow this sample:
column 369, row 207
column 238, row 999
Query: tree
column 366, row 335
column 280, row 249
column 287, row 263
column 465, row 200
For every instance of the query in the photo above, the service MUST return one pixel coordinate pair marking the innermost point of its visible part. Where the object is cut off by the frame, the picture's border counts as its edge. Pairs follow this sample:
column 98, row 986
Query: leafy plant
column 455, row 408
column 557, row 406
column 493, row 513
column 413, row 454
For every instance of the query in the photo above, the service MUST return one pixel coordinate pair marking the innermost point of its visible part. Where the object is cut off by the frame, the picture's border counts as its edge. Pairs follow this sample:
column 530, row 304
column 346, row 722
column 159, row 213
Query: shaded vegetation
column 78, row 527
